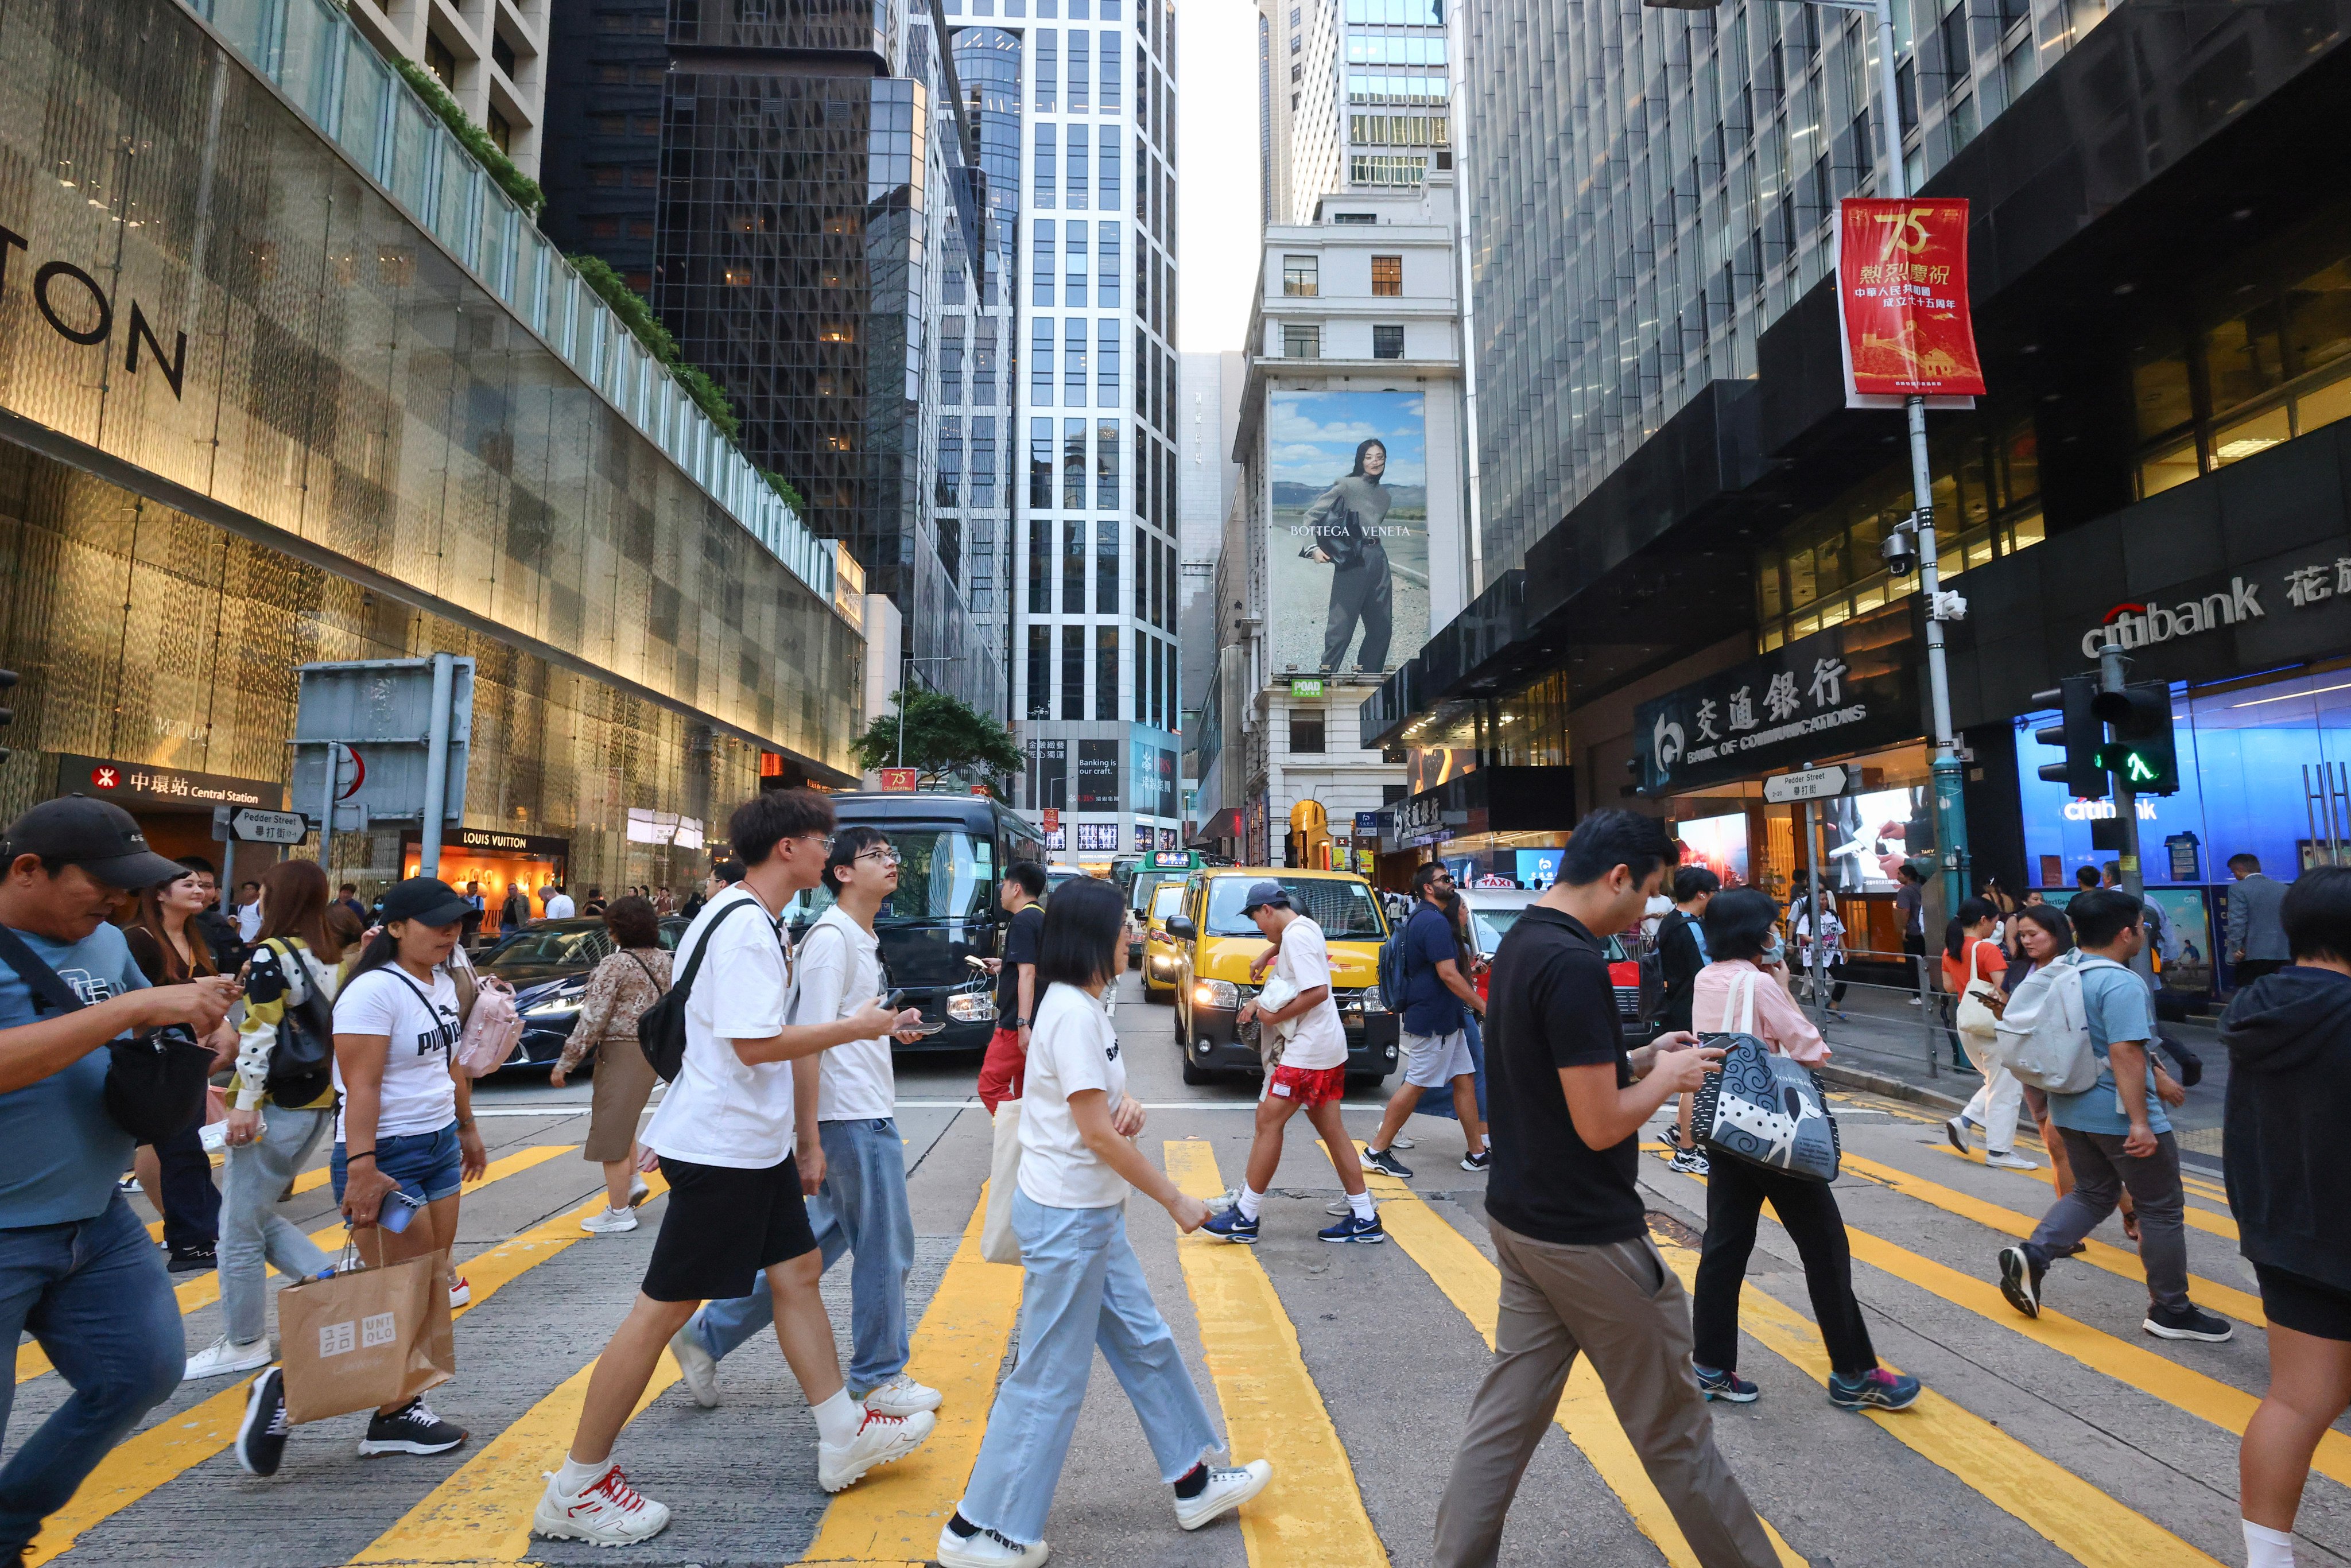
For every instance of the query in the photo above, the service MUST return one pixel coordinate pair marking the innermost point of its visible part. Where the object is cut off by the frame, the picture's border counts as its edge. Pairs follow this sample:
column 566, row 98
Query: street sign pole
column 436, row 767
column 1813, row 911
column 326, row 812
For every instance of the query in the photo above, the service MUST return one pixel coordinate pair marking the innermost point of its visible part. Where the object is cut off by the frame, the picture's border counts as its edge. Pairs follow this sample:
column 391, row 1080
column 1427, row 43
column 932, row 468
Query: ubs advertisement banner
column 1902, row 302
column 1851, row 688
column 1347, row 558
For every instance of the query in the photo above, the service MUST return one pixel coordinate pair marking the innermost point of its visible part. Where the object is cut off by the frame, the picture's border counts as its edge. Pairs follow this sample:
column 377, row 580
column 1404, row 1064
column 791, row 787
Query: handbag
column 492, row 1030
column 1338, row 535
column 359, row 1338
column 998, row 1243
column 155, row 1083
column 1762, row 1108
column 1975, row 1019
column 660, row 1028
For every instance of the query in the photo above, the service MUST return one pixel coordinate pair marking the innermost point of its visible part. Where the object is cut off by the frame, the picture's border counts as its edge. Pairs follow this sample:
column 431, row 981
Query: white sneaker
column 461, row 1292
column 901, row 1396
column 1224, row 1201
column 1957, row 1130
column 2008, row 1160
column 222, row 1359
column 638, row 1191
column 1913, row 1001
column 699, row 1366
column 1225, row 1492
column 987, row 1550
column 880, row 1439
column 1403, row 1142
column 610, row 1221
column 611, row 1512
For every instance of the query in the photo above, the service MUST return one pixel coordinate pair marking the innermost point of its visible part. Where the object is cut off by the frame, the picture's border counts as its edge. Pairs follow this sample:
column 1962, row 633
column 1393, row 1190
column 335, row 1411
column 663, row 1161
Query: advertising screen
column 1870, row 835
column 1348, row 557
column 1717, row 844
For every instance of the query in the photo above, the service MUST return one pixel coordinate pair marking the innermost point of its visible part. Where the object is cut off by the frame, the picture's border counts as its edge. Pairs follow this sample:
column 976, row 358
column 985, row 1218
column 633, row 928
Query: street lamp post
column 1950, row 809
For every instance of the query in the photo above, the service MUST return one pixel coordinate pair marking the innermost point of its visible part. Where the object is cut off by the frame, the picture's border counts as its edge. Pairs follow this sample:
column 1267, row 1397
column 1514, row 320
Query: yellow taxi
column 1213, row 944
column 1159, row 949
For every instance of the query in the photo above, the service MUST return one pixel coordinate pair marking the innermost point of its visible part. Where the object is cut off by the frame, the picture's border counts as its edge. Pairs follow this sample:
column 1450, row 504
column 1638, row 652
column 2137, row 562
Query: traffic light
column 2080, row 734
column 7, row 714
column 2141, row 754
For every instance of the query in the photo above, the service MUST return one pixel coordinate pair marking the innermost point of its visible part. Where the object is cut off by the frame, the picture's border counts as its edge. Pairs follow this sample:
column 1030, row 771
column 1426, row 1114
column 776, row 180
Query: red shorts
column 1001, row 1070
column 1310, row 1086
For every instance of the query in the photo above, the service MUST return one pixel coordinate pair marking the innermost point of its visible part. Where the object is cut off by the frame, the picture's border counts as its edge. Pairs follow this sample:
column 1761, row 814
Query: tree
column 940, row 735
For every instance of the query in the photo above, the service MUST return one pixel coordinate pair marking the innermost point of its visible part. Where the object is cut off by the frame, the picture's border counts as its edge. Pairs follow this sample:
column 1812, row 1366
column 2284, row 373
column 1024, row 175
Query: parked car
column 547, row 962
column 1494, row 911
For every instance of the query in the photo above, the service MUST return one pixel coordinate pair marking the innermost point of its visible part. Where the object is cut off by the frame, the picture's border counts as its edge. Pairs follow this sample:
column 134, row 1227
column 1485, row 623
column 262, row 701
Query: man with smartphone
column 852, row 1163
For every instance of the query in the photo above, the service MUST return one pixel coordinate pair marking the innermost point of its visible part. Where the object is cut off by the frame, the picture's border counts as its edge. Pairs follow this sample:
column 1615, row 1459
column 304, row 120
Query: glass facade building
column 260, row 409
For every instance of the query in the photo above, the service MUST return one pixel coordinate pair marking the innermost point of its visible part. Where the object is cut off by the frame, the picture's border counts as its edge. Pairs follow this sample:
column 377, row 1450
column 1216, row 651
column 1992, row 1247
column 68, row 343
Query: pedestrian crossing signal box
column 2141, row 752
column 2080, row 735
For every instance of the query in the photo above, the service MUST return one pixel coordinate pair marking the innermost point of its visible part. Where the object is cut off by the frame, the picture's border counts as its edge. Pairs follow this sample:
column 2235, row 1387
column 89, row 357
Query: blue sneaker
column 1365, row 1231
column 1877, row 1389
column 1229, row 1226
column 1726, row 1386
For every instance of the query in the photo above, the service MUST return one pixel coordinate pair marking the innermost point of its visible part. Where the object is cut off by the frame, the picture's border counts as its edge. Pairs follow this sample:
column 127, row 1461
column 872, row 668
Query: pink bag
column 493, row 1029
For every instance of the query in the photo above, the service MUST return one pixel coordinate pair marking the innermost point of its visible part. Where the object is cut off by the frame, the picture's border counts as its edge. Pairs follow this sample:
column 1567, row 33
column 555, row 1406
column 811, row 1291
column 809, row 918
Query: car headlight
column 971, row 1007
column 563, row 1005
column 1216, row 994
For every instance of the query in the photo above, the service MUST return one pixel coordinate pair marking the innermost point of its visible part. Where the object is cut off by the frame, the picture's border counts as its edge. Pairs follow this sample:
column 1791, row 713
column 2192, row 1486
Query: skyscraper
column 491, row 55
column 1353, row 95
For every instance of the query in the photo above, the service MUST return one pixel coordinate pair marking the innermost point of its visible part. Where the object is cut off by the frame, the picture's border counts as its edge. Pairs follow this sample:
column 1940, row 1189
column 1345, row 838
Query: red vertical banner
column 1902, row 302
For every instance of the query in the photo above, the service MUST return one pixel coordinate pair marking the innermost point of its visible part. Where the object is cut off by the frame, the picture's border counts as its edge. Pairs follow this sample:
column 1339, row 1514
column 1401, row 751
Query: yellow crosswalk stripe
column 1470, row 1281
column 895, row 1513
column 307, row 1181
column 2243, row 1305
column 204, row 1290
column 1312, row 1516
column 178, row 1443
column 2210, row 1224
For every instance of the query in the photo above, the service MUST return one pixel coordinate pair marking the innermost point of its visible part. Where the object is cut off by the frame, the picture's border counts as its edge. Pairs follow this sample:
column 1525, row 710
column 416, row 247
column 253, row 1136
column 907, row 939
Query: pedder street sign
column 1812, row 784
column 270, row 827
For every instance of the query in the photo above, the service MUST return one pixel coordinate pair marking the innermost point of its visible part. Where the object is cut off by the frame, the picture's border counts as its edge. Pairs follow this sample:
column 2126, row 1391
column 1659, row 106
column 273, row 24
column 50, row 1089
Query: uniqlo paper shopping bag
column 366, row 1337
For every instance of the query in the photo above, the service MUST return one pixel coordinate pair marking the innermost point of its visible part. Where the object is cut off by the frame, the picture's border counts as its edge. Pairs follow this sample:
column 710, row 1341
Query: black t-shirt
column 1549, row 1006
column 1020, row 948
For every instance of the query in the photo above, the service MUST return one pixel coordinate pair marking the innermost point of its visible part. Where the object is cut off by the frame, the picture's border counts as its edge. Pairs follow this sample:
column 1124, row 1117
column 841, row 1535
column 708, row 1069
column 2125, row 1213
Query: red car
column 1494, row 911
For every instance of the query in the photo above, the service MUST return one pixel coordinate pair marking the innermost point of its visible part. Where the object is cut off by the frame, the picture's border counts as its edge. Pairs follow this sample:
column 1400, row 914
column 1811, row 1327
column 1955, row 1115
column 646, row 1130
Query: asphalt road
column 2078, row 1439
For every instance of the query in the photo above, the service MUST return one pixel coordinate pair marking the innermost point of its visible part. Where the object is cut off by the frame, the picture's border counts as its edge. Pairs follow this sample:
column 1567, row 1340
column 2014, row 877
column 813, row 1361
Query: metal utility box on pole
column 386, row 740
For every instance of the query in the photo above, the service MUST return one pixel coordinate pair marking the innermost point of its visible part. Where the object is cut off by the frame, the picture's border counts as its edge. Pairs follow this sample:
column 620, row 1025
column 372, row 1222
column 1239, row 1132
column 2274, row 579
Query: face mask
column 1773, row 951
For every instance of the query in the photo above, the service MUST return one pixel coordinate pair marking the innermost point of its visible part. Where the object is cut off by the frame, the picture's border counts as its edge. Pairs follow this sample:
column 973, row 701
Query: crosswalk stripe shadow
column 2219, row 1225
column 180, row 1442
column 1312, row 1516
column 308, row 1181
column 204, row 1290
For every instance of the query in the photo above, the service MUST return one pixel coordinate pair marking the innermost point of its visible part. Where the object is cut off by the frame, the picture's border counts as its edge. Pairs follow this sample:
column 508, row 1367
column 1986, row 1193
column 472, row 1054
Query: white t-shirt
column 419, row 1095
column 248, row 921
column 558, row 906
column 1318, row 1040
column 723, row 1111
column 1071, row 1047
column 839, row 971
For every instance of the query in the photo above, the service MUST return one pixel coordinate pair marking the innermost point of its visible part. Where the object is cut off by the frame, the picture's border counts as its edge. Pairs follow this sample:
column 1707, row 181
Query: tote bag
column 1975, row 1021
column 1764, row 1108
column 997, row 1242
column 361, row 1338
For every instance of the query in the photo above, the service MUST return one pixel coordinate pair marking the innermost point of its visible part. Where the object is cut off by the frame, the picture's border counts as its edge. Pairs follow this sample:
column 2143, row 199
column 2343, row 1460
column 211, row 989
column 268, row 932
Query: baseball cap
column 427, row 899
column 1264, row 894
column 98, row 836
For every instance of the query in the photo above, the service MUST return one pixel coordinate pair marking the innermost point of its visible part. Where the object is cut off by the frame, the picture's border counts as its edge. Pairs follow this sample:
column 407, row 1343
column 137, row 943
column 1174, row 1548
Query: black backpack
column 154, row 1083
column 660, row 1028
column 301, row 1065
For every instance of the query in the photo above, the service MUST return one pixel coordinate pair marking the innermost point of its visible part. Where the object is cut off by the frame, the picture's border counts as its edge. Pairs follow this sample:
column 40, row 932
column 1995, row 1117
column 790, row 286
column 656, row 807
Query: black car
column 547, row 962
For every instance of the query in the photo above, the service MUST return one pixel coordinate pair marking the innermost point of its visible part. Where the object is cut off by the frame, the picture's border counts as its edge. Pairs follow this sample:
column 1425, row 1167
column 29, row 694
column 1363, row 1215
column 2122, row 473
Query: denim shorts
column 426, row 1164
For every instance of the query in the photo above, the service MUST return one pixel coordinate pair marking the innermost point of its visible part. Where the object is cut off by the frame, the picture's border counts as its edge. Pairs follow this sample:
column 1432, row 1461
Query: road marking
column 204, row 1290
column 894, row 1515
column 2239, row 1304
column 179, row 1443
column 308, row 1181
column 1312, row 1516
column 1472, row 1281
column 2054, row 1503
column 2210, row 1224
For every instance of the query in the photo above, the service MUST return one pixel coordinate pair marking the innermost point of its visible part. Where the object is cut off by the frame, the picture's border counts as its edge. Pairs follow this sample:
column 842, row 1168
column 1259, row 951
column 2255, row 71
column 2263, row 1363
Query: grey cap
column 1264, row 894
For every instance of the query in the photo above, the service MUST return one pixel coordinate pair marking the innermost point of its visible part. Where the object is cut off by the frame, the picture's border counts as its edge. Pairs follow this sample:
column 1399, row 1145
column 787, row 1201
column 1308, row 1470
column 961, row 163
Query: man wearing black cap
column 76, row 1264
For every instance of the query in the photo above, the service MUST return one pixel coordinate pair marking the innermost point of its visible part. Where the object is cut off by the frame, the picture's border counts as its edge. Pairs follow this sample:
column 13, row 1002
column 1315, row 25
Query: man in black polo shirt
column 1569, row 1228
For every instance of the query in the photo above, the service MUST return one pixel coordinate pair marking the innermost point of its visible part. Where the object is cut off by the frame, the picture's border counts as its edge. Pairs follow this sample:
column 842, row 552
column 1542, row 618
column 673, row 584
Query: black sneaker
column 1385, row 1162
column 1479, row 1160
column 2188, row 1322
column 2019, row 1279
column 261, row 1436
column 191, row 1259
column 411, row 1429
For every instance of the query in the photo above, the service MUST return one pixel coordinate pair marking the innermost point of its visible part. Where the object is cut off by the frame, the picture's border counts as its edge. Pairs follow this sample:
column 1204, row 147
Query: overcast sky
column 1216, row 239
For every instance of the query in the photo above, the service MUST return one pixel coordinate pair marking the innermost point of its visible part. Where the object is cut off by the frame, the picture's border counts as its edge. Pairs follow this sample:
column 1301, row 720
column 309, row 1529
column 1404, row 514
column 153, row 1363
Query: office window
column 1049, row 66
column 1107, row 100
column 1141, row 457
column 1076, row 184
column 1073, row 673
column 1107, row 175
column 1142, row 683
column 1167, row 609
column 1040, row 686
column 1106, row 473
column 1354, row 217
column 1073, row 464
column 983, row 363
column 1073, row 366
column 1158, row 587
column 1106, row 263
column 1305, row 732
column 1044, row 253
column 1106, row 672
column 1040, row 467
column 1302, row 275
column 1074, row 255
column 1081, row 69
column 1047, row 138
column 1387, row 342
column 1105, row 568
column 1040, row 362
column 1142, row 544
column 951, row 360
column 1158, row 689
column 1106, row 364
column 950, row 464
column 1300, row 341
column 1387, row 275
column 983, row 460
column 1073, row 568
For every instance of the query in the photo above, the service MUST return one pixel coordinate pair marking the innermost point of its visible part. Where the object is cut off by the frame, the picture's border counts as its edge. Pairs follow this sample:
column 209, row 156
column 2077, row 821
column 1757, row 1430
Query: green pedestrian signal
column 2141, row 752
column 2136, row 768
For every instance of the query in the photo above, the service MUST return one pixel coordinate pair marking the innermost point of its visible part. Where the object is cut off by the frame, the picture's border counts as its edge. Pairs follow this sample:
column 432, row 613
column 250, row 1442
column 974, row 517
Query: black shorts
column 2303, row 1304
column 722, row 1226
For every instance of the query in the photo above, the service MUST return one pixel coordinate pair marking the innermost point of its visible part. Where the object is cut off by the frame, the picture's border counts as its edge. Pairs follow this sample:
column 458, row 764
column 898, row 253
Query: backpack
column 1391, row 967
column 302, row 1059
column 2044, row 1034
column 660, row 1028
column 493, row 1029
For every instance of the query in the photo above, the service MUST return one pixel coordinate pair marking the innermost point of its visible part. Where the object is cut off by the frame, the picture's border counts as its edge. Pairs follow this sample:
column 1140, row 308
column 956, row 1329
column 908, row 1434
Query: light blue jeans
column 94, row 1295
column 253, row 1234
column 860, row 1210
column 1083, row 1288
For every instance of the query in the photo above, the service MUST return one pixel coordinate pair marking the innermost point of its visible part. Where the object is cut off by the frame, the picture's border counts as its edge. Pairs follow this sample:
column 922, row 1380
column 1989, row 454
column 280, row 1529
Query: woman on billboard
column 1343, row 522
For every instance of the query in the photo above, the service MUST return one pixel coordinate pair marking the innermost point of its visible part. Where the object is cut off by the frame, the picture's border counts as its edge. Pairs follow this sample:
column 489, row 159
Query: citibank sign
column 2129, row 625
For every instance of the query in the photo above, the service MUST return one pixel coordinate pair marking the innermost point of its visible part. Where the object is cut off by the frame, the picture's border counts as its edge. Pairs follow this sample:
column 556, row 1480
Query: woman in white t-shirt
column 1083, row 1285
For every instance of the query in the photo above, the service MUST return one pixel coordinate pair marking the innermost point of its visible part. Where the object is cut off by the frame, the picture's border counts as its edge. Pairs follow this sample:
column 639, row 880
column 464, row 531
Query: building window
column 1106, row 366
column 1106, row 479
column 1301, row 275
column 1385, row 168
column 1107, row 98
column 1387, row 342
column 1107, row 174
column 950, row 465
column 440, row 60
column 1296, row 73
column 1106, row 566
column 1354, row 217
column 1159, row 686
column 1073, row 673
column 1040, row 686
column 1106, row 672
column 1048, row 67
column 1078, row 185
column 1300, row 341
column 1387, row 276
column 1073, row 367
column 501, row 132
column 1073, row 569
column 983, row 460
column 1106, row 263
column 1040, row 362
column 1073, row 467
column 1075, row 252
column 1305, row 734
column 1043, row 266
column 1046, row 160
column 1081, row 68
column 502, row 55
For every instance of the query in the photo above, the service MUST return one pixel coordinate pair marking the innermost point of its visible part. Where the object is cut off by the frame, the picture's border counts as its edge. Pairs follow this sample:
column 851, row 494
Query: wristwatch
column 1017, row 1024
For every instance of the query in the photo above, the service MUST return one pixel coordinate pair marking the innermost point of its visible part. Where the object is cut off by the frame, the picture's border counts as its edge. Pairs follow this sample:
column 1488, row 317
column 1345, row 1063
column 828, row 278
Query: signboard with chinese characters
column 1851, row 688
column 142, row 786
column 1902, row 302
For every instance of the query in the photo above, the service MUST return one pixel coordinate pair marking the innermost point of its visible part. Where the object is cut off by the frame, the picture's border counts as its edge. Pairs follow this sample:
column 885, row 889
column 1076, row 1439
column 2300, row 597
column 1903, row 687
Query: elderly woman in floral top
column 631, row 978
